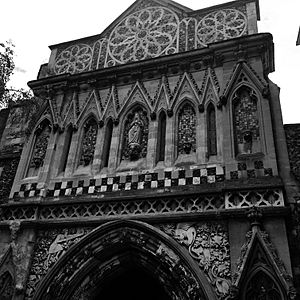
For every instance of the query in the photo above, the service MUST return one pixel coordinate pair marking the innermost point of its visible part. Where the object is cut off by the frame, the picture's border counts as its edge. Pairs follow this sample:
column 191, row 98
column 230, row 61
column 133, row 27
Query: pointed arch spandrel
column 115, row 237
column 259, row 256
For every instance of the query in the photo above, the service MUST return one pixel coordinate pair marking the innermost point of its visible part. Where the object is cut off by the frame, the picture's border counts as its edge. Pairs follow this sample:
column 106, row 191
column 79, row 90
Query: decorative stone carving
column 88, row 142
column 50, row 246
column 149, row 32
column 59, row 245
column 135, row 135
column 246, row 121
column 74, row 59
column 208, row 244
column 186, row 130
column 6, row 286
column 9, row 168
column 243, row 199
column 40, row 147
column 144, row 34
column 20, row 257
column 221, row 25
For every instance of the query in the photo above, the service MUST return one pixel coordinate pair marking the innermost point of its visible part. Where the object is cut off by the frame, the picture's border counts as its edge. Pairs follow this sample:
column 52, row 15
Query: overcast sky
column 33, row 25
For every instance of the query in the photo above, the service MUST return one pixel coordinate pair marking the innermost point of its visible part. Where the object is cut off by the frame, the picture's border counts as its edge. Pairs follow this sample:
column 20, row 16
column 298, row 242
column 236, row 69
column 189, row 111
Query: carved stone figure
column 135, row 135
column 135, row 132
column 56, row 249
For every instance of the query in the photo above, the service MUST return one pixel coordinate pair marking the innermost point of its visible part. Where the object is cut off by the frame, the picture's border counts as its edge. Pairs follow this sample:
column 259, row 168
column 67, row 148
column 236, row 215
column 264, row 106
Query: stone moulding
column 90, row 209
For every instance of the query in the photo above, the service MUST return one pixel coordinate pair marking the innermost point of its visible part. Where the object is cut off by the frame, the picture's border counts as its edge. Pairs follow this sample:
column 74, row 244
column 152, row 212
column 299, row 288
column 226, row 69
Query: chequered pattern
column 244, row 172
column 129, row 182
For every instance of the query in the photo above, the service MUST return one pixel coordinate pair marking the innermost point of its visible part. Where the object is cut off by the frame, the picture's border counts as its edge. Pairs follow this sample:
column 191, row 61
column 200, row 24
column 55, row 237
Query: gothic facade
column 152, row 163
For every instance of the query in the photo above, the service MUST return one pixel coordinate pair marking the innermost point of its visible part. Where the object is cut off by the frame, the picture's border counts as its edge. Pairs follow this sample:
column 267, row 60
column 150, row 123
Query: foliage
column 7, row 66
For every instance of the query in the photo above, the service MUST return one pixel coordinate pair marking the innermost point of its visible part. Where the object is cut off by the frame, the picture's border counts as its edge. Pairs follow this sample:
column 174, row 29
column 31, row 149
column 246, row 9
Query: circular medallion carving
column 74, row 59
column 144, row 34
column 221, row 25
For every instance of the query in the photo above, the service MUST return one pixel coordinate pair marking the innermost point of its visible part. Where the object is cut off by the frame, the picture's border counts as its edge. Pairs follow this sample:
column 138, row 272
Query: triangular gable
column 210, row 88
column 161, row 99
column 92, row 105
column 54, row 112
column 110, row 108
column 258, row 251
column 243, row 73
column 70, row 117
column 45, row 112
column 186, row 87
column 137, row 95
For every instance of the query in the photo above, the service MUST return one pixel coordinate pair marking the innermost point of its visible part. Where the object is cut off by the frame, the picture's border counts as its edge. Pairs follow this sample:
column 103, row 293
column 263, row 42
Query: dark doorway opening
column 133, row 284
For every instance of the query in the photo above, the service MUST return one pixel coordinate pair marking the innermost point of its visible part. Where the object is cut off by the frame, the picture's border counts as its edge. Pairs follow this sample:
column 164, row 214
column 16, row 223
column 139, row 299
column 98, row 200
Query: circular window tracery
column 74, row 59
column 221, row 25
column 144, row 34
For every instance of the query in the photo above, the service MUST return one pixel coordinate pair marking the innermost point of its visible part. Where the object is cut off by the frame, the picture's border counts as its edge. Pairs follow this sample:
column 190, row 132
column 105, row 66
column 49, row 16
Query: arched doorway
column 126, row 258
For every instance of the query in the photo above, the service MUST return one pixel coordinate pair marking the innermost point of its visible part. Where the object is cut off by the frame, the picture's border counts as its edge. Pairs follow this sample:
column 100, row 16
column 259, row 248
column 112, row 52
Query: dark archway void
column 132, row 284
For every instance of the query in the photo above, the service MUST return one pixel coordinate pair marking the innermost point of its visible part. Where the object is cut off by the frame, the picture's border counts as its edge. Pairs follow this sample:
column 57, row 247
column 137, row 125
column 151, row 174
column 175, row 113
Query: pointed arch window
column 262, row 287
column 161, row 137
column 90, row 130
column 66, row 149
column 41, row 139
column 107, row 143
column 211, row 130
column 186, row 129
column 6, row 286
column 245, row 119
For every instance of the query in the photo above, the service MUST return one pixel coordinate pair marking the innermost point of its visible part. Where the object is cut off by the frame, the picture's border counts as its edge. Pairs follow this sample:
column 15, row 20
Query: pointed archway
column 125, row 249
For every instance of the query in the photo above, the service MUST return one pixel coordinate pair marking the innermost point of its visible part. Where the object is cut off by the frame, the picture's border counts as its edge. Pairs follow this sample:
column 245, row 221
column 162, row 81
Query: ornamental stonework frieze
column 150, row 32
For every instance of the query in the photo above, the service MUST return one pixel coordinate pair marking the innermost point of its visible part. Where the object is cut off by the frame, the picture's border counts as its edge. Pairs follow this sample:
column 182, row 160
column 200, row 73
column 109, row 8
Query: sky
column 33, row 25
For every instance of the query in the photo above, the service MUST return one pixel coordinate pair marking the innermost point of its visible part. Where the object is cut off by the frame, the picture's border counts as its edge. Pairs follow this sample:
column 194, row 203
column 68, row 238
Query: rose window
column 145, row 34
column 221, row 25
column 73, row 59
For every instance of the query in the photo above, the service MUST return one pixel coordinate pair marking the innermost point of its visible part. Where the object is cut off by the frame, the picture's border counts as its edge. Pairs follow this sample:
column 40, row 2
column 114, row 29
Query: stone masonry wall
column 292, row 132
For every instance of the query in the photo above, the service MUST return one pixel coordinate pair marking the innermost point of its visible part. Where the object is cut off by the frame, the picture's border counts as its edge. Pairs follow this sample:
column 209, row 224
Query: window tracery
column 144, row 34
column 135, row 135
column 42, row 135
column 90, row 130
column 186, row 130
column 245, row 119
column 262, row 287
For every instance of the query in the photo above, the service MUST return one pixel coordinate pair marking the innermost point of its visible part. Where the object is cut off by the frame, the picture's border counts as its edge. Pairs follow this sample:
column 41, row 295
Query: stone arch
column 103, row 251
